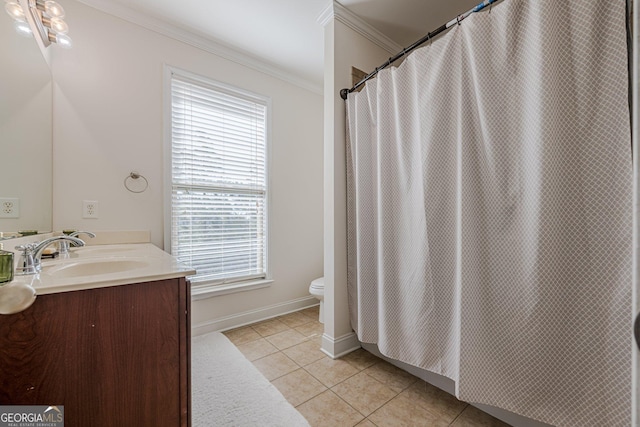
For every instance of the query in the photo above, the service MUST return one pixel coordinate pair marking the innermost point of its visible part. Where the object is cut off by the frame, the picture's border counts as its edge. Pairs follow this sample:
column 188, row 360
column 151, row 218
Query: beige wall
column 108, row 121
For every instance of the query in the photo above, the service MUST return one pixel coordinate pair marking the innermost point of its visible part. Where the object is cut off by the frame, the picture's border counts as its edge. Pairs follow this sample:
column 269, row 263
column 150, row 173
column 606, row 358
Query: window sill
column 209, row 291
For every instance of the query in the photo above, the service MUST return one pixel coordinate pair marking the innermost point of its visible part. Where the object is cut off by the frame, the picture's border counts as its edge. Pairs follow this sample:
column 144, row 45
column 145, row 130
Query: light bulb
column 23, row 28
column 64, row 41
column 15, row 11
column 59, row 26
column 53, row 9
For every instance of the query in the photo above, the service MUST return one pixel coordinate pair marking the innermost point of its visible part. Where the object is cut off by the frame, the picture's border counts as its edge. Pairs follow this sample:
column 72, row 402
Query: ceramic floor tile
column 311, row 328
column 242, row 335
column 401, row 412
column 361, row 359
column 298, row 386
column 435, row 400
column 361, row 383
column 312, row 312
column 269, row 327
column 275, row 365
column 474, row 417
column 295, row 319
column 317, row 339
column 328, row 410
column 331, row 372
column 364, row 393
column 305, row 353
column 391, row 376
column 257, row 349
column 286, row 339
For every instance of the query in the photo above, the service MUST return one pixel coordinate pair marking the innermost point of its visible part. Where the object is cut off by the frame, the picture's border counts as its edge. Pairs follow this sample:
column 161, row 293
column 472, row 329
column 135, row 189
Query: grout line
column 329, row 387
column 348, row 404
column 458, row 416
column 325, row 389
column 385, row 402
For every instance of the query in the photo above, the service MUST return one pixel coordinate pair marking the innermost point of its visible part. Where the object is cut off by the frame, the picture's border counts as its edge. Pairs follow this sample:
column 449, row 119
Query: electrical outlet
column 89, row 209
column 9, row 208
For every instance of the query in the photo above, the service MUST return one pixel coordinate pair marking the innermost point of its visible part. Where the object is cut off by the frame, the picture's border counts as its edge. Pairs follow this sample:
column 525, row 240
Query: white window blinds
column 219, row 185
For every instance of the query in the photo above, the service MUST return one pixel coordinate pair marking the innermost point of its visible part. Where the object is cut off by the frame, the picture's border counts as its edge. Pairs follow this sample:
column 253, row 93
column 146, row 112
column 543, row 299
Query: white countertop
column 100, row 266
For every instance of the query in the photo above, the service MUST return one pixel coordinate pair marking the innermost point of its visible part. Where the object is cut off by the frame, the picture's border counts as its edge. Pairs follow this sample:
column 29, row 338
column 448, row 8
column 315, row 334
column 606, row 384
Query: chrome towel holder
column 136, row 183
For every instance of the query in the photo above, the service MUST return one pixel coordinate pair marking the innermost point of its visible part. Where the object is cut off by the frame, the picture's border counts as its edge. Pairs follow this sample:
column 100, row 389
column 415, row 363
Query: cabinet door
column 111, row 356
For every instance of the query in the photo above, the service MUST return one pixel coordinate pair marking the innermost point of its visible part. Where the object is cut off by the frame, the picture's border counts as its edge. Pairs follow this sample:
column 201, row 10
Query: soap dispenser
column 6, row 266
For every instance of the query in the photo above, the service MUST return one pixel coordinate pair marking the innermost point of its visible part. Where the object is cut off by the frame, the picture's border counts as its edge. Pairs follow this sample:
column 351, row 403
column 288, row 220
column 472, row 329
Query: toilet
column 317, row 290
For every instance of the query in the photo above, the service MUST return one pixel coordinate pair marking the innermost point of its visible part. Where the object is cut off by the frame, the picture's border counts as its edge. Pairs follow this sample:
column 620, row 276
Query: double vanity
column 108, row 337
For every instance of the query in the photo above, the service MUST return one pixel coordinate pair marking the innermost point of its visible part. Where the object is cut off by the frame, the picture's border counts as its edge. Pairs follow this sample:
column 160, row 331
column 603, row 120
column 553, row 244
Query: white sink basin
column 94, row 268
column 104, row 266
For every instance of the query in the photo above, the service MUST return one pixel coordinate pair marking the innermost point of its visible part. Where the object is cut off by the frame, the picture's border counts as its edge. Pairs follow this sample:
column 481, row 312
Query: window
column 218, row 181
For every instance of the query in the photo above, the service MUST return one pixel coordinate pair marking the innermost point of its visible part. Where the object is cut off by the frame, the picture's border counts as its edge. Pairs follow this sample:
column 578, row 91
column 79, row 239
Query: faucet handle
column 26, row 263
column 77, row 233
column 26, row 249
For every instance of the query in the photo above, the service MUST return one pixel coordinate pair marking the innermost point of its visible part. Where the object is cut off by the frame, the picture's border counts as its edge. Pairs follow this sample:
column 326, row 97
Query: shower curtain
column 489, row 211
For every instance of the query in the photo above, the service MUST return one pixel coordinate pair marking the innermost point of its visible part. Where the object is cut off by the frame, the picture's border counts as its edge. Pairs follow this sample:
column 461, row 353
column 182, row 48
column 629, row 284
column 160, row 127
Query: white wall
column 344, row 49
column 108, row 121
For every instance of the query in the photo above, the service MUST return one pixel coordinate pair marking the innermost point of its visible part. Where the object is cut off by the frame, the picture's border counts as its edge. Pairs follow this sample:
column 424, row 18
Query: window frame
column 206, row 289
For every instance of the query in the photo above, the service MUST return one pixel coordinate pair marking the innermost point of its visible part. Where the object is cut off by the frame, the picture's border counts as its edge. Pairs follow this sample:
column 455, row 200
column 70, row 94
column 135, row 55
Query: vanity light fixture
column 41, row 17
column 15, row 11
column 23, row 28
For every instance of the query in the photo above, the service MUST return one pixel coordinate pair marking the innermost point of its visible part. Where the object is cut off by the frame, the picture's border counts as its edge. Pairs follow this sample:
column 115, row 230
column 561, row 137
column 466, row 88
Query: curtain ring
column 458, row 19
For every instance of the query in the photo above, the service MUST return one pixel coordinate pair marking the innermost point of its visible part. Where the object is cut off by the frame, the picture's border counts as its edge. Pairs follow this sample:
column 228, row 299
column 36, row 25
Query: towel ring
column 136, row 183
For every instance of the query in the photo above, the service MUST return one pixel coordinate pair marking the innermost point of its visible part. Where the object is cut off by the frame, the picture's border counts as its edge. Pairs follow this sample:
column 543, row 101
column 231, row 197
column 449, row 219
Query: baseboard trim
column 338, row 347
column 252, row 316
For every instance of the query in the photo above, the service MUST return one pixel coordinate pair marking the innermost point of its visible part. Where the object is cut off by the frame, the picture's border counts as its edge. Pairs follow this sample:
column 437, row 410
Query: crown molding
column 198, row 41
column 335, row 10
column 326, row 15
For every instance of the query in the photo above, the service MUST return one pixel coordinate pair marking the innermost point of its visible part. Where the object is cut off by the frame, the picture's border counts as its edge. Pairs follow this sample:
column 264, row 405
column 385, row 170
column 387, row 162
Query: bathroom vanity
column 112, row 347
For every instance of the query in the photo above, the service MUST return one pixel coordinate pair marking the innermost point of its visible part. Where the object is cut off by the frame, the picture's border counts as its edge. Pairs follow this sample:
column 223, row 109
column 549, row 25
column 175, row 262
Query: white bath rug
column 227, row 390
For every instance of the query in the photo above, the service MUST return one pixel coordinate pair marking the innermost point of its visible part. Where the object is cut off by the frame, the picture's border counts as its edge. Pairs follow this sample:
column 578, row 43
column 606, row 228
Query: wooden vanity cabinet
column 115, row 356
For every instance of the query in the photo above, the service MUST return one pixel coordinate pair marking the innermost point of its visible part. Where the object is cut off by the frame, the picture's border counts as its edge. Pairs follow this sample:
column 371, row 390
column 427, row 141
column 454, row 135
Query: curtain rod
column 345, row 92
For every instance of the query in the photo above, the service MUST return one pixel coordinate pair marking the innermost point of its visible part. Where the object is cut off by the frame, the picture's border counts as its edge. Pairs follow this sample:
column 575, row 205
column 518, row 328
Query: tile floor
column 358, row 389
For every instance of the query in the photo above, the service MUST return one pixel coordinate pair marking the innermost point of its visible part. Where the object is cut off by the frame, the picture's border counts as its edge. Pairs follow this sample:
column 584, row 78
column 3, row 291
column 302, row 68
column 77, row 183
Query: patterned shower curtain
column 489, row 211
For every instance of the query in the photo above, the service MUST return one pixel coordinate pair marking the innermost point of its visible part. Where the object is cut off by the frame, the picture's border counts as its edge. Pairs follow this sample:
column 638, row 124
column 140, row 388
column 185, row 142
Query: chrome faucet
column 29, row 262
column 63, row 245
